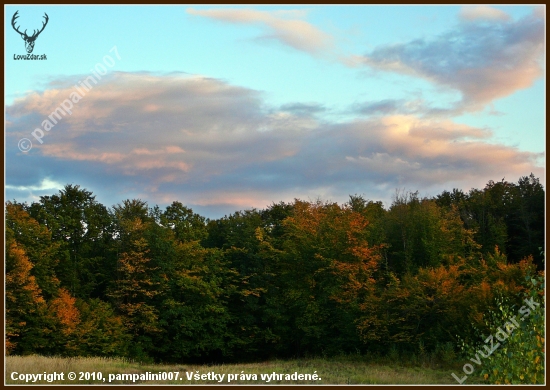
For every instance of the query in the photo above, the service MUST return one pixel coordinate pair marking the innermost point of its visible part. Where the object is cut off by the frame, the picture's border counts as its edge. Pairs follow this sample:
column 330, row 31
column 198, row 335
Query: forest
column 304, row 278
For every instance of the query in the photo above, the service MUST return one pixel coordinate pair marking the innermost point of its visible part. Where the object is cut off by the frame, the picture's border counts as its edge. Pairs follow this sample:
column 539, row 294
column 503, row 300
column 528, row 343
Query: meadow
column 340, row 370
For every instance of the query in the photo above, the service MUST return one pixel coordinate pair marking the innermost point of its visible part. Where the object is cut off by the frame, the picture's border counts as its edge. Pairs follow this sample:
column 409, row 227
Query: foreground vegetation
column 516, row 352
column 341, row 370
column 300, row 279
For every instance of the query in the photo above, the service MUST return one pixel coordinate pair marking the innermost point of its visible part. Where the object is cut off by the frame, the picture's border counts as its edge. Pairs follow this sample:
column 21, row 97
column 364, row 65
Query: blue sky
column 231, row 107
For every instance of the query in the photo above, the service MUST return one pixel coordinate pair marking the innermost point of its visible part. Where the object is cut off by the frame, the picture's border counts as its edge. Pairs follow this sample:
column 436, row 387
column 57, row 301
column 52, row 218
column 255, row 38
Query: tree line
column 303, row 278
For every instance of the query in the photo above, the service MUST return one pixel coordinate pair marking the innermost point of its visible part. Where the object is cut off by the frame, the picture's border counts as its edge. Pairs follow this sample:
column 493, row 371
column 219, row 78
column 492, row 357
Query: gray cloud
column 303, row 109
column 485, row 58
column 218, row 148
column 417, row 106
column 385, row 107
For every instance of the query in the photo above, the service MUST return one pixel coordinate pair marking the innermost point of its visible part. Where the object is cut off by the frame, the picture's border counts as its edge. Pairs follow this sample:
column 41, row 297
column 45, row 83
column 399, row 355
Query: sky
column 228, row 108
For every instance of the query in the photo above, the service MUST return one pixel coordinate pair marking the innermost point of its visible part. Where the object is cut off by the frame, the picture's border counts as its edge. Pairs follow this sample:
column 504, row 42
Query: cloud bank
column 219, row 148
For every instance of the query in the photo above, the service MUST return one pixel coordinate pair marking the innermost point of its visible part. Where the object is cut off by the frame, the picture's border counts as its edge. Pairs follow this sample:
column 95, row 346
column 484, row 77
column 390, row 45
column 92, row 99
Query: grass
column 342, row 370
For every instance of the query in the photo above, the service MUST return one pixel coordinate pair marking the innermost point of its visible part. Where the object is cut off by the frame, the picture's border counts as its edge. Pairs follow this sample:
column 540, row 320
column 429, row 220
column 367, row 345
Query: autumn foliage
column 295, row 279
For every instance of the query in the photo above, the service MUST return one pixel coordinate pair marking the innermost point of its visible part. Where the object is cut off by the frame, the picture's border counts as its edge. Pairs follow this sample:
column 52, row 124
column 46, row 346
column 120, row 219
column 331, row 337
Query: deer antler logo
column 29, row 41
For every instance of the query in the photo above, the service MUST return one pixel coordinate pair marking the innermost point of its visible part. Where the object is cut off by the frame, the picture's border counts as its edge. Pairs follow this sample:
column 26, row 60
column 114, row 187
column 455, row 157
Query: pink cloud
column 489, row 57
column 293, row 32
column 483, row 12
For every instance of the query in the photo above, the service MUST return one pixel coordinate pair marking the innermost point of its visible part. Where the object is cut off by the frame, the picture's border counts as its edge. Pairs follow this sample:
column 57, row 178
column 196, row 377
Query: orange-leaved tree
column 24, row 301
column 327, row 272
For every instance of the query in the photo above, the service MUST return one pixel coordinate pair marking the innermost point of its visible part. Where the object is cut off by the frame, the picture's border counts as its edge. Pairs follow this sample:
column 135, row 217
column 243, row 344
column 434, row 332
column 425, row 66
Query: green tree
column 419, row 233
column 485, row 212
column 194, row 312
column 186, row 225
column 101, row 332
column 525, row 221
column 246, row 239
column 135, row 285
column 83, row 229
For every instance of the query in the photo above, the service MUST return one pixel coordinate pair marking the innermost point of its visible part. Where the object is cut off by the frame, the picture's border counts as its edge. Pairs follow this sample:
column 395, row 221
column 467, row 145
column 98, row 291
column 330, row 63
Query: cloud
column 485, row 59
column 32, row 193
column 483, row 12
column 219, row 148
column 282, row 26
column 417, row 106
column 387, row 106
column 45, row 184
column 302, row 109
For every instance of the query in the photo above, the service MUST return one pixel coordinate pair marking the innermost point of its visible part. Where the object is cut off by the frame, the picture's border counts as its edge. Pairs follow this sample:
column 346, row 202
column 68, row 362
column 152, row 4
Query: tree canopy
column 298, row 278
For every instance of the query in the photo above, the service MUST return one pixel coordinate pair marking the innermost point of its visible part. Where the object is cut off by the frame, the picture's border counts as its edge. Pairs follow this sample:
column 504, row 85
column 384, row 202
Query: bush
column 519, row 357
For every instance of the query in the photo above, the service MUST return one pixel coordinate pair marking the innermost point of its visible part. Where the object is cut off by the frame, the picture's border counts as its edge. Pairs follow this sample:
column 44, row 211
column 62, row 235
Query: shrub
column 519, row 359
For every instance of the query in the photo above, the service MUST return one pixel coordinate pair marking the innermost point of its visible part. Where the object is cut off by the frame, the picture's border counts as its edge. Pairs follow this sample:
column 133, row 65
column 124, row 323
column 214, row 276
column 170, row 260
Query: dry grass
column 331, row 371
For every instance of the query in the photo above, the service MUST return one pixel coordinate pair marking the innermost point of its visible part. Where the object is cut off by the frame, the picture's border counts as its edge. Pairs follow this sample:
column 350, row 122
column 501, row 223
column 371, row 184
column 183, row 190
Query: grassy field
column 346, row 370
